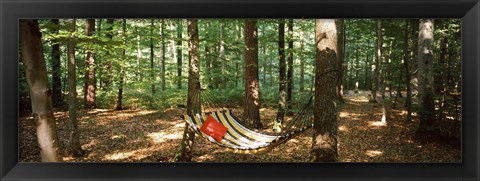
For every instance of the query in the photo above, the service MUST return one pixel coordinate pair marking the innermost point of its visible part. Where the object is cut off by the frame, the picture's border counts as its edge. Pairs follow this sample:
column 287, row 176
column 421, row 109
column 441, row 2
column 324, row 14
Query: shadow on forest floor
column 155, row 135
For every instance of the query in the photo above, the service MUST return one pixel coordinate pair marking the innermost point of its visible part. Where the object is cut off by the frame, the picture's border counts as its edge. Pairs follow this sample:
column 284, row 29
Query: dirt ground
column 155, row 135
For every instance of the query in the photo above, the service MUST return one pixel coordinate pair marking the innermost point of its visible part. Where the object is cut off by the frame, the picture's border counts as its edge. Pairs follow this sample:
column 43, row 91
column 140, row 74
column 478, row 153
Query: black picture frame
column 11, row 11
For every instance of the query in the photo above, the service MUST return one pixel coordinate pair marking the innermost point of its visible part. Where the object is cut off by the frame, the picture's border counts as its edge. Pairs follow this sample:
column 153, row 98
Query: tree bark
column 406, row 60
column 75, row 148
column 193, row 100
column 380, row 94
column 340, row 57
column 121, row 80
column 152, row 70
column 302, row 64
column 162, row 55
column 290, row 66
column 90, row 85
column 222, row 55
column 324, row 144
column 179, row 54
column 252, row 89
column 40, row 93
column 281, row 76
column 425, row 76
column 107, row 65
column 56, row 73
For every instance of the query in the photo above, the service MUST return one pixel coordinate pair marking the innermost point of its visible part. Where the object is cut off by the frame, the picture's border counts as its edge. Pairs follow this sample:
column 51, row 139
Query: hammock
column 241, row 139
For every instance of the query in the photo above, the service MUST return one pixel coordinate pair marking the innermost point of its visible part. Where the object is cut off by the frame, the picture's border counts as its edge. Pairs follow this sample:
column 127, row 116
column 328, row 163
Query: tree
column 193, row 100
column 107, row 65
column 380, row 93
column 121, row 79
column 324, row 144
column 406, row 60
column 56, row 73
column 281, row 76
column 252, row 89
column 425, row 76
column 290, row 65
column 340, row 57
column 75, row 148
column 40, row 93
column 179, row 54
column 90, row 85
column 302, row 64
column 222, row 54
column 152, row 74
column 162, row 54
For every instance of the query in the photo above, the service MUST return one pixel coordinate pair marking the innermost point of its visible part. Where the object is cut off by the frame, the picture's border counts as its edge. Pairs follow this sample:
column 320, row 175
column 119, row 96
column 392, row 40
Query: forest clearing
column 155, row 136
column 240, row 90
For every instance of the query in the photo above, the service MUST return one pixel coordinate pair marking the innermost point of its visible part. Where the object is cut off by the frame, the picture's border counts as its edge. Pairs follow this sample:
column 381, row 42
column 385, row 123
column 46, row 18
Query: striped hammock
column 239, row 138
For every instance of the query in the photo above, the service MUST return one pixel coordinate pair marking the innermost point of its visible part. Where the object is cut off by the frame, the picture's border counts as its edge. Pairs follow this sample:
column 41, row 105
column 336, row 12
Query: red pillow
column 213, row 128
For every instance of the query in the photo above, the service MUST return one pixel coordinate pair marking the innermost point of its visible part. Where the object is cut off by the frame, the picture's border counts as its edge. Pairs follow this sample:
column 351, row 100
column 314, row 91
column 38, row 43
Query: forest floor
column 155, row 135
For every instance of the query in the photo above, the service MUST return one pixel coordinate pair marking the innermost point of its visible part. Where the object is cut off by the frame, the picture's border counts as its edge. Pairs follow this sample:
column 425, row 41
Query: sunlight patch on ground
column 359, row 99
column 95, row 111
column 160, row 137
column 377, row 124
column 373, row 153
column 121, row 136
column 135, row 154
column 343, row 128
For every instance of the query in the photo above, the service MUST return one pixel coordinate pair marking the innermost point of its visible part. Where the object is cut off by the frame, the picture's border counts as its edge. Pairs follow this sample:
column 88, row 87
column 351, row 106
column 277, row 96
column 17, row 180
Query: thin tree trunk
column 56, row 73
column 324, row 144
column 252, row 89
column 121, row 80
column 281, row 76
column 425, row 76
column 152, row 74
column 340, row 57
column 40, row 93
column 162, row 55
column 90, row 85
column 379, row 71
column 222, row 55
column 302, row 64
column 193, row 100
column 406, row 60
column 107, row 77
column 179, row 54
column 264, row 58
column 290, row 66
column 75, row 148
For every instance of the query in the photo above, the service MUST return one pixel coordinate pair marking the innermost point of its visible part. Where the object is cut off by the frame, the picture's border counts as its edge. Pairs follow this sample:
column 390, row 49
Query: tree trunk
column 222, row 55
column 406, row 60
column 162, row 55
column 108, row 76
column 264, row 58
column 121, row 80
column 179, row 54
column 380, row 94
column 152, row 71
column 340, row 57
column 90, row 85
column 290, row 66
column 75, row 148
column 425, row 76
column 56, row 73
column 302, row 64
column 281, row 76
column 252, row 89
column 193, row 100
column 324, row 144
column 40, row 93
